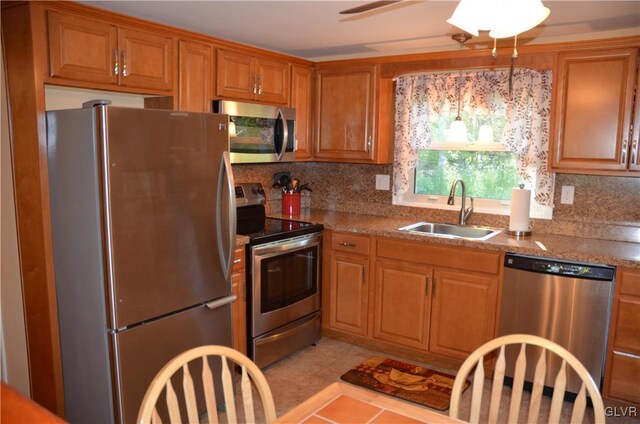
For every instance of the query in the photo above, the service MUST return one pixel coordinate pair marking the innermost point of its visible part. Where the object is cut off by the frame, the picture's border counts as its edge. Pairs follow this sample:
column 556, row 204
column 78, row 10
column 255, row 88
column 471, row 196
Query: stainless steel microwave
column 259, row 133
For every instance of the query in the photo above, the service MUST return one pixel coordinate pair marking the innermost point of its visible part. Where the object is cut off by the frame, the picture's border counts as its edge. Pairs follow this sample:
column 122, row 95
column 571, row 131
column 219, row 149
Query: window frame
column 481, row 205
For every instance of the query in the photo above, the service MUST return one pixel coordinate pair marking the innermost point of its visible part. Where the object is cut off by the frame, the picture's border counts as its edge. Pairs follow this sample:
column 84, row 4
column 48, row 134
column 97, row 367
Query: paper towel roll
column 520, row 203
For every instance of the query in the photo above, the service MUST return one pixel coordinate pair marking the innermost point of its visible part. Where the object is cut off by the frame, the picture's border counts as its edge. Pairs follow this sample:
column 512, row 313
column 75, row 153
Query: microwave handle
column 285, row 134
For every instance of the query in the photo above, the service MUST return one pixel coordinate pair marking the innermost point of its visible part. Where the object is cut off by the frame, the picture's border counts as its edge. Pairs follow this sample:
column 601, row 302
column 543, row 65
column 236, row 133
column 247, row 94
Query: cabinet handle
column 433, row 288
column 345, row 244
column 364, row 275
column 634, row 152
column 255, row 84
column 427, row 285
column 116, row 64
column 259, row 84
column 124, row 63
column 237, row 261
column 369, row 144
column 625, row 145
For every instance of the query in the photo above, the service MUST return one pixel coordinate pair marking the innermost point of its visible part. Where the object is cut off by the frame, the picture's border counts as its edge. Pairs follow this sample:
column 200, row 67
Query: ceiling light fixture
column 502, row 18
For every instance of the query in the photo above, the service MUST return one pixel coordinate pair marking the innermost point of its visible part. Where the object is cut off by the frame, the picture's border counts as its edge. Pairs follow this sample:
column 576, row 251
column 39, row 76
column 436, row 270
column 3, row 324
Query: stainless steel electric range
column 283, row 279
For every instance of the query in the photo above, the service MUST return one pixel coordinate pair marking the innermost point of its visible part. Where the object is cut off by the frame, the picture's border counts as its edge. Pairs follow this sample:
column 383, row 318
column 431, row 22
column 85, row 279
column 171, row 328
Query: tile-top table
column 342, row 403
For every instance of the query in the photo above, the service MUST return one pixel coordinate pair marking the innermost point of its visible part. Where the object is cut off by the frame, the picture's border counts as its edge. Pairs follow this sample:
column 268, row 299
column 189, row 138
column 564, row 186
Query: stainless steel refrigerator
column 143, row 220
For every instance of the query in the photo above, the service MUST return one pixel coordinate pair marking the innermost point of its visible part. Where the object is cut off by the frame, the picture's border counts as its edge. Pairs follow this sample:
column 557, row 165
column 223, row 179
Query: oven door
column 285, row 282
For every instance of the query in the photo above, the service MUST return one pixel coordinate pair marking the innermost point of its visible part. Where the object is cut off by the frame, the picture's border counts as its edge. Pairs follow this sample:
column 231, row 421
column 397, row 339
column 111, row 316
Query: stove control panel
column 248, row 194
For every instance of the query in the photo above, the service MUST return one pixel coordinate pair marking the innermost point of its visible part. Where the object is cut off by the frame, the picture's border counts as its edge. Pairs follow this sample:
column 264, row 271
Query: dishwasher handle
column 559, row 267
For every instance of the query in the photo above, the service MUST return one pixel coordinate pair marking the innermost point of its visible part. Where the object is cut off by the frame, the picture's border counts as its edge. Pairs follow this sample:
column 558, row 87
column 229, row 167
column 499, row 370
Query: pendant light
column 458, row 129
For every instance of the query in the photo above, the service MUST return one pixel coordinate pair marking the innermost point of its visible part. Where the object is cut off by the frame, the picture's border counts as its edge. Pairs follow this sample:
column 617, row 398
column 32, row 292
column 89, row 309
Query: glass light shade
column 474, row 15
column 485, row 134
column 457, row 131
column 517, row 16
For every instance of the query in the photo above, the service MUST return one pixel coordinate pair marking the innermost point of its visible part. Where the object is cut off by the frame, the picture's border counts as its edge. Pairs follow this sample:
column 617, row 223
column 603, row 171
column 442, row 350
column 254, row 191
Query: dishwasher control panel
column 558, row 267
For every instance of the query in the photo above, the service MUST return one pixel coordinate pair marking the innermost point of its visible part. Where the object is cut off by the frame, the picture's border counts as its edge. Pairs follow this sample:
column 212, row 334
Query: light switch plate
column 566, row 196
column 382, row 182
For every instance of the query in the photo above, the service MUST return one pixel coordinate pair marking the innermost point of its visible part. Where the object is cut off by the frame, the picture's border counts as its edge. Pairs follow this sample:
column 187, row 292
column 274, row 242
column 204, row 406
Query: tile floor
column 303, row 374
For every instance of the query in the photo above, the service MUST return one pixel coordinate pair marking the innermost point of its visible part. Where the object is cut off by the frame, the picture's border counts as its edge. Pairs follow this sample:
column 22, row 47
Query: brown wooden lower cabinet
column 420, row 303
column 622, row 374
column 402, row 303
column 463, row 312
column 239, row 308
column 349, row 293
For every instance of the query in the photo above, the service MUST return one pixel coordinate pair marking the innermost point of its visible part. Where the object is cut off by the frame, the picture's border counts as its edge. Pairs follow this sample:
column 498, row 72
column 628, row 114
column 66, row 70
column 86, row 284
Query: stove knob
column 257, row 190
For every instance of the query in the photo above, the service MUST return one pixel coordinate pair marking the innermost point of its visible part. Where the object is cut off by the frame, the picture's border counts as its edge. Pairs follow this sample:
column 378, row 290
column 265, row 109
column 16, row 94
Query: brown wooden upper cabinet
column 195, row 77
column 96, row 51
column 352, row 115
column 245, row 77
column 592, row 132
column 302, row 101
column 345, row 113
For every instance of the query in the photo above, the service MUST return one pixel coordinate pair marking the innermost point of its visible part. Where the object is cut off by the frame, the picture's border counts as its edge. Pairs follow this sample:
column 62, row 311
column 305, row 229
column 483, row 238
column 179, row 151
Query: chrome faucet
column 464, row 213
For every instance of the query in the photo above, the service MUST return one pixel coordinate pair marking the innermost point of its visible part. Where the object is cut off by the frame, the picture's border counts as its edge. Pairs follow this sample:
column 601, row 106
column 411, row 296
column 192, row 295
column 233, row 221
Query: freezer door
column 163, row 171
column 141, row 351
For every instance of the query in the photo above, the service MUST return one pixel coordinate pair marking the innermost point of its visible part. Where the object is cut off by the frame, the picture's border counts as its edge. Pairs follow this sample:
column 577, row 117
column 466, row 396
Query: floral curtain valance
column 421, row 99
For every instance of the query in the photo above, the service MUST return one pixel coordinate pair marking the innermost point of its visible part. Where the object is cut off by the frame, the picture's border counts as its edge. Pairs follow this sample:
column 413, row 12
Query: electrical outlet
column 566, row 197
column 382, row 182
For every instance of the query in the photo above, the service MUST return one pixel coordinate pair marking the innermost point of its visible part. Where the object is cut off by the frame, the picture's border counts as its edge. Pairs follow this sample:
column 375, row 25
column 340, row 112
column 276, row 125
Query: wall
column 604, row 207
column 13, row 352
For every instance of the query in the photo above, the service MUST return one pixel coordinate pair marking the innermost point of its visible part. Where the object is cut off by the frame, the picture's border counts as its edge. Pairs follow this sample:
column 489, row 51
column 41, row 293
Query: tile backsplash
column 604, row 207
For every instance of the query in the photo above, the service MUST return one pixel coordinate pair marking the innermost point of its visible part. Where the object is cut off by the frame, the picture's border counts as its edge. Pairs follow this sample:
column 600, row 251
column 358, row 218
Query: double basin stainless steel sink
column 469, row 232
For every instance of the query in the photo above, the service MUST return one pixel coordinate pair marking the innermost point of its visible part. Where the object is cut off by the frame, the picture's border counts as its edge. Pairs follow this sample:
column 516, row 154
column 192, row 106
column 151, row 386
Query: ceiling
column 315, row 30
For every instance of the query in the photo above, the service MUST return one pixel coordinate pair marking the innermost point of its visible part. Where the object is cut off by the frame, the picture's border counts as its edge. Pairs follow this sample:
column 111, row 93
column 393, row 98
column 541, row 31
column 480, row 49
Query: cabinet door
column 273, row 81
column 634, row 161
column 195, row 77
column 302, row 101
column 82, row 49
column 236, row 75
column 593, row 102
column 348, row 296
column 402, row 303
column 146, row 59
column 344, row 113
column 464, row 312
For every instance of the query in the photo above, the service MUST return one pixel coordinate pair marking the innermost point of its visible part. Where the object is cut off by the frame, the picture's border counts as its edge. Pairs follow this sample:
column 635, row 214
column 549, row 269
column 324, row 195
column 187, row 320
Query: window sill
column 440, row 202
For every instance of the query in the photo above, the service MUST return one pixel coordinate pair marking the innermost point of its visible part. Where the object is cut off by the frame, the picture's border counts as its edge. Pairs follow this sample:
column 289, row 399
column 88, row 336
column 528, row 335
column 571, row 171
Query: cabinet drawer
column 238, row 259
column 625, row 377
column 442, row 256
column 630, row 282
column 350, row 243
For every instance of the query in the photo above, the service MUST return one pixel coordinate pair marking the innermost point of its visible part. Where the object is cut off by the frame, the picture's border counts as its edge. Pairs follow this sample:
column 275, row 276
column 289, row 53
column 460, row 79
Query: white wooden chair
column 148, row 412
column 476, row 360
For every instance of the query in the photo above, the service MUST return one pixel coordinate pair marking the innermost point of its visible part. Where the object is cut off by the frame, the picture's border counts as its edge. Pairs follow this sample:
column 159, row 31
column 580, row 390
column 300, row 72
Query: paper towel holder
column 520, row 233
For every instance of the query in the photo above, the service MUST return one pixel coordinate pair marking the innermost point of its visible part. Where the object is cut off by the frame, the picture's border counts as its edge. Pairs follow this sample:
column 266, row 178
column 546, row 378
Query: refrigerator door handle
column 215, row 304
column 230, row 226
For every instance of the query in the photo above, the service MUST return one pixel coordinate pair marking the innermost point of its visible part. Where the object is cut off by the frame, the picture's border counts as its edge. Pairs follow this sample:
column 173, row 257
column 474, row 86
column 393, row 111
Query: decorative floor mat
column 406, row 381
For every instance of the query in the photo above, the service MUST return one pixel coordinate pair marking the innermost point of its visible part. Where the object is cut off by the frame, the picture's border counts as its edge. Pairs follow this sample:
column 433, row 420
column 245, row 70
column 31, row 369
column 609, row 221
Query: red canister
column 291, row 204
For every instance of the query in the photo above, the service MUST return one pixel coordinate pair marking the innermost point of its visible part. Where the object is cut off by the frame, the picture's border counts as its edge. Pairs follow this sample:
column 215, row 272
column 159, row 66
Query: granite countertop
column 608, row 252
column 241, row 240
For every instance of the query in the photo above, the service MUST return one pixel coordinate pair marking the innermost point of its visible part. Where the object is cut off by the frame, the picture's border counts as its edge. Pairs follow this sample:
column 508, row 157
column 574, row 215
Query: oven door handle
column 285, row 134
column 287, row 246
column 226, row 174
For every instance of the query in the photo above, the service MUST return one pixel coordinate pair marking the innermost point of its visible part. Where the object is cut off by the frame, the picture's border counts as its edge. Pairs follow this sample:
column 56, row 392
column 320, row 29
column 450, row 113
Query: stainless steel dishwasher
column 566, row 302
